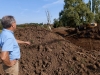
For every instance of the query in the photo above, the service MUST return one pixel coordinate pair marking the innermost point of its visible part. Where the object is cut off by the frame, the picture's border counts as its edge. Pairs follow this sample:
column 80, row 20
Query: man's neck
column 10, row 29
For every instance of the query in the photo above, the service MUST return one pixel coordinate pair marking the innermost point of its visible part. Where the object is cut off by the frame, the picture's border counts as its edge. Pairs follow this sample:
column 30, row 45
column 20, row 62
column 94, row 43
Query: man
column 10, row 53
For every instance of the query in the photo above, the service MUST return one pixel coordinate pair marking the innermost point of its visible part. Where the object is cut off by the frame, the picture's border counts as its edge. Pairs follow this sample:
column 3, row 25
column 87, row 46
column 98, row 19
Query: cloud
column 54, row 3
column 58, row 2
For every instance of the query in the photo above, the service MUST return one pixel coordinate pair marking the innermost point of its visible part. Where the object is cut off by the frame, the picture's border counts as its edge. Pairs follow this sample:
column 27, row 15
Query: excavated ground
column 52, row 54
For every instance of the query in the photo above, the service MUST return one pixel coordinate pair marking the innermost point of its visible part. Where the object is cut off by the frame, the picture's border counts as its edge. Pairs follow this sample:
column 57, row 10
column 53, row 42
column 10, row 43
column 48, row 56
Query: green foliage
column 89, row 5
column 0, row 25
column 95, row 6
column 56, row 23
column 95, row 9
column 29, row 24
column 75, row 12
column 97, row 18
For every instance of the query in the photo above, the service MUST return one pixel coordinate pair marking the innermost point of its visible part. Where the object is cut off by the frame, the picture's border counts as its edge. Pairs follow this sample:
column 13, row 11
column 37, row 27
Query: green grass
column 0, row 31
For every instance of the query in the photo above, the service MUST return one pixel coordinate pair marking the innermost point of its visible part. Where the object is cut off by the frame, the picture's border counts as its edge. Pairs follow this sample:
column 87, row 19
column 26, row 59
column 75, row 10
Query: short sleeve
column 8, row 45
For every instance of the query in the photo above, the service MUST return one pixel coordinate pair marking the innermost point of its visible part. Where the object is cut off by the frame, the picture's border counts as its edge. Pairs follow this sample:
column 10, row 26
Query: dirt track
column 51, row 54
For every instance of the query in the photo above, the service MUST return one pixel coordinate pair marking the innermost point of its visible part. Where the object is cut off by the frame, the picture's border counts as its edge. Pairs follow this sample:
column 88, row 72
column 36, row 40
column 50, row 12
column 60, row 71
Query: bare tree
column 48, row 18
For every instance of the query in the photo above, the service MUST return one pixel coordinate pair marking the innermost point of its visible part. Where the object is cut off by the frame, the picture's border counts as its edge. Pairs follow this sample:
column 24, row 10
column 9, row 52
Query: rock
column 38, row 70
column 76, row 58
column 40, row 62
column 48, row 49
column 92, row 67
column 95, row 67
column 40, row 48
column 82, row 65
column 43, row 73
column 97, row 64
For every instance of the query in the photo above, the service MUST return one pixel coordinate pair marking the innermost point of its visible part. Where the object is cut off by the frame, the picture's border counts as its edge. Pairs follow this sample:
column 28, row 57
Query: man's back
column 9, row 43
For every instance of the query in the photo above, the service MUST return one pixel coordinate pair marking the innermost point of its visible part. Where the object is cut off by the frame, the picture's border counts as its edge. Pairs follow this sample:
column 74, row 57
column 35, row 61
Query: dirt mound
column 51, row 54
column 88, row 32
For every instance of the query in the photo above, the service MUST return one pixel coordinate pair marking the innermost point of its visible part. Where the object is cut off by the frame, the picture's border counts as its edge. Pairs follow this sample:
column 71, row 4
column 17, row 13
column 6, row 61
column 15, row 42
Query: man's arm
column 6, row 48
column 6, row 60
column 23, row 42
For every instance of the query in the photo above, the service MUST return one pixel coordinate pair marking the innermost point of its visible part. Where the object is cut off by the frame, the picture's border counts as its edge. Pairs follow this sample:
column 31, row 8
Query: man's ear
column 12, row 25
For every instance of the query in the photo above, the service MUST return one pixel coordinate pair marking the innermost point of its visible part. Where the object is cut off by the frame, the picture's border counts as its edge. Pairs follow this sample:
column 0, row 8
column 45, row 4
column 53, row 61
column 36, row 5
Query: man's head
column 8, row 22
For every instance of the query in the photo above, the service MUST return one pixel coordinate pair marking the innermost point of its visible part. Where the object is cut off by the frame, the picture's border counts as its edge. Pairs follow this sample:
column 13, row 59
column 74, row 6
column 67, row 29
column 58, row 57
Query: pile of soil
column 88, row 32
column 51, row 54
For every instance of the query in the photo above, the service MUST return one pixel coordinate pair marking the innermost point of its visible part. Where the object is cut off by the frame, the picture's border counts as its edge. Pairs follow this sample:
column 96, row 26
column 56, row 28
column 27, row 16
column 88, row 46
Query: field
column 57, row 53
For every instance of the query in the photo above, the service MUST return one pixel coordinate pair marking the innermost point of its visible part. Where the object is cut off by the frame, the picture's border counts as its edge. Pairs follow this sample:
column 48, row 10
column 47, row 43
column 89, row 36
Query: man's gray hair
column 7, row 21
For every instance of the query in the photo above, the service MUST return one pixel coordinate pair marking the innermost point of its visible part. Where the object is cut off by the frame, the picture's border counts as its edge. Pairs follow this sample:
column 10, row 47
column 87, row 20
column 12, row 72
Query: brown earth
column 52, row 54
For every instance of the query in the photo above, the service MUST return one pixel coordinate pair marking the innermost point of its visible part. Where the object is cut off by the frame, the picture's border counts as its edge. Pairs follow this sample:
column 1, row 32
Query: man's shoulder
column 5, row 34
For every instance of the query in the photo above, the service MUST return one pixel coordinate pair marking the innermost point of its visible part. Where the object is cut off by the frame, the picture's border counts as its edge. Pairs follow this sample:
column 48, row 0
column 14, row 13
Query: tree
column 95, row 6
column 0, row 25
column 75, row 12
column 89, row 5
column 48, row 19
column 56, row 23
column 97, row 18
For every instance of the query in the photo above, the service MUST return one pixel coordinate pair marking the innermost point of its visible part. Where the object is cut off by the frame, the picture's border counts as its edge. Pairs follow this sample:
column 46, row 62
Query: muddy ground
column 53, row 54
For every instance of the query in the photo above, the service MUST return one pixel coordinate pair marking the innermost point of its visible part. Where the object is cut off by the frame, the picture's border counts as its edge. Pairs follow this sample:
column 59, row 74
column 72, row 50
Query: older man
column 10, row 53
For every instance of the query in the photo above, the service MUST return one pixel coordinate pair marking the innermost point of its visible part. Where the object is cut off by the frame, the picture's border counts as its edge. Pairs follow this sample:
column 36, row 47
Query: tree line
column 77, row 12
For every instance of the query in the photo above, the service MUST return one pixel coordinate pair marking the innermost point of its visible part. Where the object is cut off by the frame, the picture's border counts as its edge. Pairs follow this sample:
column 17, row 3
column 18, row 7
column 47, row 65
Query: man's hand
column 13, row 62
column 6, row 60
column 27, row 43
column 23, row 42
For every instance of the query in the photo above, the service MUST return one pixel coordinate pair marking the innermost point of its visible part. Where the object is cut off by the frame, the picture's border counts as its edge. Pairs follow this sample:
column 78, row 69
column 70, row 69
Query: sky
column 31, row 11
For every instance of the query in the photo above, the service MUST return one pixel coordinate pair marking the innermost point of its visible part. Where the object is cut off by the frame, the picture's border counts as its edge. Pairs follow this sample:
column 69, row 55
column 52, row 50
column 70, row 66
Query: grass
column 0, row 31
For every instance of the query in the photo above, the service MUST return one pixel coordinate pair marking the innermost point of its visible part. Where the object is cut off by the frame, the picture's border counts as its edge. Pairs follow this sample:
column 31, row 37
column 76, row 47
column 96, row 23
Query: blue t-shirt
column 9, row 43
